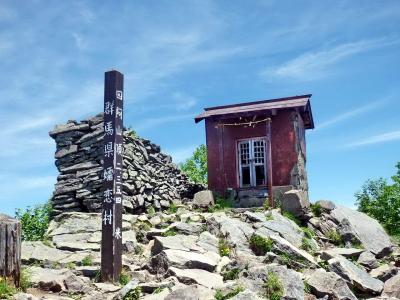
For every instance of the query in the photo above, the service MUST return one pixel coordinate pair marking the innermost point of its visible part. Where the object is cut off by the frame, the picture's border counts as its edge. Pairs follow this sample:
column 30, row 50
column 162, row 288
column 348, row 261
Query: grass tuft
column 273, row 287
column 260, row 245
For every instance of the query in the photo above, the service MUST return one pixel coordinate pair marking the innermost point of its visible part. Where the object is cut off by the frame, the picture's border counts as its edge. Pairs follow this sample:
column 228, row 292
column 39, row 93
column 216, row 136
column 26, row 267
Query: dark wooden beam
column 111, row 243
column 269, row 164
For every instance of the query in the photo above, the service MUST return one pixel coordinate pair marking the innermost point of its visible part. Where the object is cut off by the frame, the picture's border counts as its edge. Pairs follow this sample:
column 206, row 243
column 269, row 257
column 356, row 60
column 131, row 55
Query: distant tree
column 34, row 221
column 381, row 200
column 196, row 166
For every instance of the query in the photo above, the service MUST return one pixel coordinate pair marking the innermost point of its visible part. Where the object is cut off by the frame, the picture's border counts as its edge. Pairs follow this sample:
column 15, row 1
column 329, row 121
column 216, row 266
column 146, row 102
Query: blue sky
column 181, row 56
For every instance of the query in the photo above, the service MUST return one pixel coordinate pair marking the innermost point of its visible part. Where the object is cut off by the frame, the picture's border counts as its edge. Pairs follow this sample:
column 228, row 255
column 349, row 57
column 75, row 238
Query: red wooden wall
column 221, row 149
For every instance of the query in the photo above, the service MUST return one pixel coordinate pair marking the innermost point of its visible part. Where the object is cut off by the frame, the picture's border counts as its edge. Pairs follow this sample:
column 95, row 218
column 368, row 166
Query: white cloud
column 80, row 41
column 376, row 139
column 315, row 64
column 183, row 101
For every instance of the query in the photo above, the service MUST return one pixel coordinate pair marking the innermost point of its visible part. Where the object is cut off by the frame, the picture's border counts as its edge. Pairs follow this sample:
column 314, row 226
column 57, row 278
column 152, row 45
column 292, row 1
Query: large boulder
column 329, row 284
column 355, row 276
column 161, row 262
column 255, row 278
column 236, row 231
column 369, row 232
column 392, row 287
column 202, row 277
column 203, row 199
column 296, row 202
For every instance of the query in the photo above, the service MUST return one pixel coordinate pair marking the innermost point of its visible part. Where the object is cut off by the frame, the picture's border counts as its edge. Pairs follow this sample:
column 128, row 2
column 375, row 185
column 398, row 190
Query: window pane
column 260, row 175
column 245, row 176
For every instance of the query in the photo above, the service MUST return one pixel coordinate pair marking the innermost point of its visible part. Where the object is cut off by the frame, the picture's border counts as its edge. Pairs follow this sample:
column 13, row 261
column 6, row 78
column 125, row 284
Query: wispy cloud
column 376, row 139
column 341, row 117
column 315, row 64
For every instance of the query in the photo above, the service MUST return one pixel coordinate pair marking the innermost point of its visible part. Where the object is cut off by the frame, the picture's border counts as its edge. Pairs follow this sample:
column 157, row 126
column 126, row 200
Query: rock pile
column 150, row 177
column 234, row 254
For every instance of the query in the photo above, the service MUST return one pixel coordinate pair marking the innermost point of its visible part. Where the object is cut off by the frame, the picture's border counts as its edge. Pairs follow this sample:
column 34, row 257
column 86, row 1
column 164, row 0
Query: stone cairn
column 150, row 177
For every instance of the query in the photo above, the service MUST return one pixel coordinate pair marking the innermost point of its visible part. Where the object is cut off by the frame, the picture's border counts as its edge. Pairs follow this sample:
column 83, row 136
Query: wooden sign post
column 111, row 243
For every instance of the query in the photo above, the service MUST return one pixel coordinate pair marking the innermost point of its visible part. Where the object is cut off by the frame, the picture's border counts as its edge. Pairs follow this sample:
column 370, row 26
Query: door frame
column 252, row 166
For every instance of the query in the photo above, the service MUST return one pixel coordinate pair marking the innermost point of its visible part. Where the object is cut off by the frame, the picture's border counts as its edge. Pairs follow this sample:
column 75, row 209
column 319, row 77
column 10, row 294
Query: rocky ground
column 186, row 253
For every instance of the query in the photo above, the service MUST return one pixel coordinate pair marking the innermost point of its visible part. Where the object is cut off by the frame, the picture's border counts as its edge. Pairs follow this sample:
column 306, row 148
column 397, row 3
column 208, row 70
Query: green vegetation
column 132, row 133
column 335, row 237
column 381, row 200
column 273, row 287
column 292, row 217
column 231, row 274
column 169, row 232
column 196, row 166
column 260, row 245
column 158, row 290
column 219, row 295
column 224, row 247
column 87, row 261
column 139, row 250
column 124, row 278
column 309, row 233
column 324, row 265
column 306, row 244
column 7, row 290
column 172, row 209
column 266, row 204
column 34, row 221
column 316, row 209
column 133, row 294
column 307, row 287
column 151, row 211
column 220, row 204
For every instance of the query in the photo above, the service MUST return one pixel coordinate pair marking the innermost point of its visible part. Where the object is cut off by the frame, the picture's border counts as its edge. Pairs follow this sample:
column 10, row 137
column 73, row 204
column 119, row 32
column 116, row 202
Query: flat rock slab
column 176, row 242
column 38, row 252
column 184, row 259
column 329, row 284
column 57, row 280
column 371, row 234
column 202, row 277
column 236, row 231
column 285, row 227
column 355, row 276
column 255, row 278
column 346, row 252
column 246, row 295
column 192, row 292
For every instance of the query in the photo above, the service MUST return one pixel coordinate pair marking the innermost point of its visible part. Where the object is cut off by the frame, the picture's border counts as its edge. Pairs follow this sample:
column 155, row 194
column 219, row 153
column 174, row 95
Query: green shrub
column 151, row 211
column 87, row 261
column 335, row 237
column 260, row 245
column 273, row 287
column 196, row 166
column 231, row 274
column 220, row 204
column 266, row 204
column 224, row 247
column 292, row 217
column 316, row 209
column 34, row 221
column 309, row 233
column 6, row 290
column 124, row 278
column 169, row 232
column 172, row 209
column 219, row 295
column 381, row 200
column 158, row 290
column 307, row 245
column 307, row 287
column 25, row 280
column 133, row 294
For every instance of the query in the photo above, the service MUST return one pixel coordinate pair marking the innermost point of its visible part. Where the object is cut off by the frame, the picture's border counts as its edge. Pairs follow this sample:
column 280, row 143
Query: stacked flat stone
column 149, row 179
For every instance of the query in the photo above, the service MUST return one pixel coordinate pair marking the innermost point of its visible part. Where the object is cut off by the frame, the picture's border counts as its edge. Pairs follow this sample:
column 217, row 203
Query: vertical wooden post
column 269, row 164
column 10, row 249
column 111, row 244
